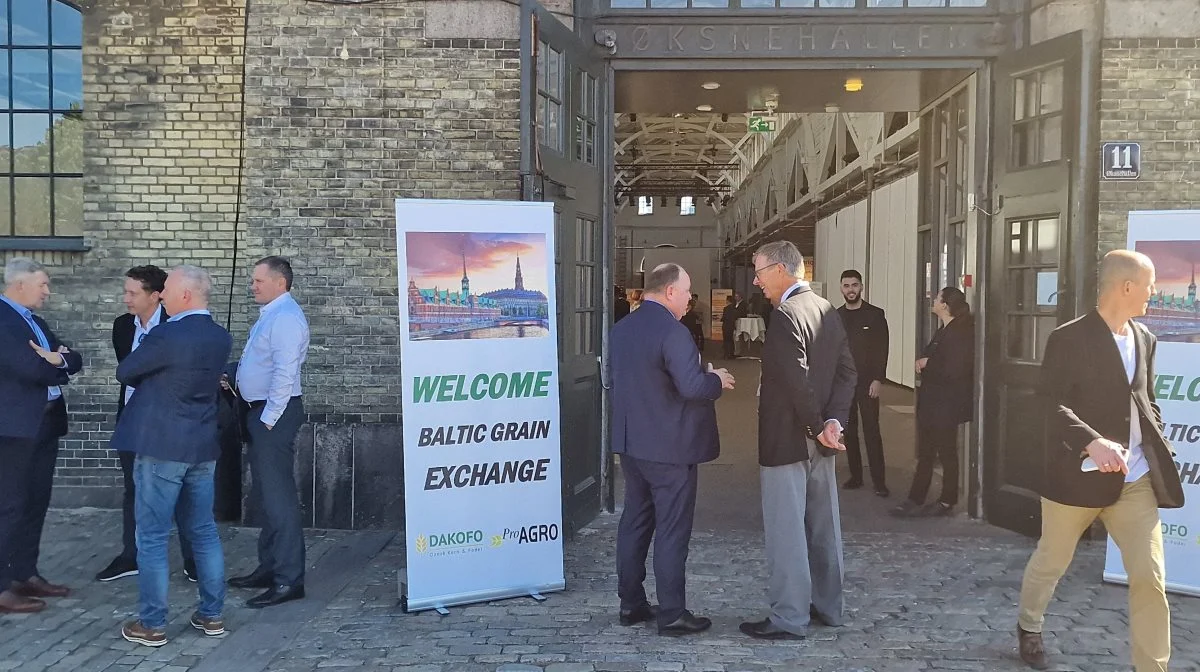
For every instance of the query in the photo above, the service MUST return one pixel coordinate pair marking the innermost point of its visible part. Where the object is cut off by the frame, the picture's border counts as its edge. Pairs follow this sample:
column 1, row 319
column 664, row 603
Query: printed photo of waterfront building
column 1173, row 314
column 505, row 308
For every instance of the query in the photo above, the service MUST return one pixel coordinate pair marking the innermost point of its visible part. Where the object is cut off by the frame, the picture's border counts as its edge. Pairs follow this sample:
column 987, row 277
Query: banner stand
column 480, row 393
column 1171, row 238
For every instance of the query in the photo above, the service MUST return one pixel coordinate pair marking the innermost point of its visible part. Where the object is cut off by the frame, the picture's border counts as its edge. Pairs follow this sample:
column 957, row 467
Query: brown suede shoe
column 12, row 603
column 39, row 587
column 1033, row 651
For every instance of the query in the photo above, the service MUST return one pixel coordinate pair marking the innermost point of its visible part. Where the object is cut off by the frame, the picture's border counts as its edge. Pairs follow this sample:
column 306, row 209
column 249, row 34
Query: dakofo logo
column 450, row 543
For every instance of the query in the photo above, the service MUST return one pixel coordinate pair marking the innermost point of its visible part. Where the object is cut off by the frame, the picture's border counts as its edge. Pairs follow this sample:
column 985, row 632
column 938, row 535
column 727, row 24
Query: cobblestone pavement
column 916, row 602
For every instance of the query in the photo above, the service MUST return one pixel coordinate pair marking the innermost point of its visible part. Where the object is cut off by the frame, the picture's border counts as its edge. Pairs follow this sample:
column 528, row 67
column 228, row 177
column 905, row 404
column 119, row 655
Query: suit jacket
column 808, row 377
column 663, row 408
column 946, row 397
column 1087, row 391
column 25, row 376
column 177, row 372
column 123, row 330
column 730, row 315
column 867, row 329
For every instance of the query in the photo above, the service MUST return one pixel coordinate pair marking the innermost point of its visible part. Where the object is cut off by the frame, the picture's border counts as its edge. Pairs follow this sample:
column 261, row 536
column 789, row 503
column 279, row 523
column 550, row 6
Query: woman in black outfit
column 945, row 400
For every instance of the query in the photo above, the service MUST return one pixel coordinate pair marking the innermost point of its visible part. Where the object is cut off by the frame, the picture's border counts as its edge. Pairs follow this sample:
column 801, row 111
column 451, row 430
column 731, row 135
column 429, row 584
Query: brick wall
column 1148, row 95
column 348, row 108
column 162, row 83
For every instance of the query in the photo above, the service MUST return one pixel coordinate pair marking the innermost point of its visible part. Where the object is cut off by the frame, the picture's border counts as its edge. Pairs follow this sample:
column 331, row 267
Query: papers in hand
column 1089, row 465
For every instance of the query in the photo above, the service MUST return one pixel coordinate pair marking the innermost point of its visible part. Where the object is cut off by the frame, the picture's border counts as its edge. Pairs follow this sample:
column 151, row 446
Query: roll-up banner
column 479, row 361
column 1172, row 241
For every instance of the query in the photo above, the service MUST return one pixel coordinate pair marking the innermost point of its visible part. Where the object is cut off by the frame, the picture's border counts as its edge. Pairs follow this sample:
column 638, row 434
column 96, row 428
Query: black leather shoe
column 640, row 614
column 882, row 491
column 276, row 595
column 259, row 578
column 765, row 629
column 687, row 624
column 853, row 484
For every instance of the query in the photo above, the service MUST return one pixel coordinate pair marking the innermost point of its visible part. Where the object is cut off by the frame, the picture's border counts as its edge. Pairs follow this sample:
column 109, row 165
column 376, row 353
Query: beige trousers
column 1134, row 525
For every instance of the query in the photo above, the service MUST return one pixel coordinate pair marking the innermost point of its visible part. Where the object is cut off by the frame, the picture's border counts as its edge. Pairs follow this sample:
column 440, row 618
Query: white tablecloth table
column 752, row 328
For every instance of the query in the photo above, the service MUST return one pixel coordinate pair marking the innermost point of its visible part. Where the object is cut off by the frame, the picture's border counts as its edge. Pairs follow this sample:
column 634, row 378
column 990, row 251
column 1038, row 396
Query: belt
column 263, row 402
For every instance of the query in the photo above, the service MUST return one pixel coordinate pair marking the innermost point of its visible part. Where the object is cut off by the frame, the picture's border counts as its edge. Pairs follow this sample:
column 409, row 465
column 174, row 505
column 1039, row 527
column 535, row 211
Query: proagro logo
column 532, row 534
column 450, row 543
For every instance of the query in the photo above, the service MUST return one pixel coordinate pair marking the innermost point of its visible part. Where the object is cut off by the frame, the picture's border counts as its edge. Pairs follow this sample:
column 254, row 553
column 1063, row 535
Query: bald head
column 1126, row 283
column 1121, row 266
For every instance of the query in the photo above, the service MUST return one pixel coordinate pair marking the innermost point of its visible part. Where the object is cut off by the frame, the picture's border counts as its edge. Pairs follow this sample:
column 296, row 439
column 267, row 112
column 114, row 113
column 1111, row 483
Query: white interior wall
column 891, row 280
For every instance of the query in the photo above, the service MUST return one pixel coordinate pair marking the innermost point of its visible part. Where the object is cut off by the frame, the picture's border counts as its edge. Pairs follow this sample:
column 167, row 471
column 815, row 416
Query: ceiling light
column 854, row 84
column 704, row 108
column 711, row 86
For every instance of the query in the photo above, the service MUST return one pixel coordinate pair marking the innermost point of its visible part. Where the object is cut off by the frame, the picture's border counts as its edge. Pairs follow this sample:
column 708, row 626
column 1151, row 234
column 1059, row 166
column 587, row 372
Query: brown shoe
column 1033, row 651
column 212, row 627
column 137, row 633
column 13, row 603
column 39, row 587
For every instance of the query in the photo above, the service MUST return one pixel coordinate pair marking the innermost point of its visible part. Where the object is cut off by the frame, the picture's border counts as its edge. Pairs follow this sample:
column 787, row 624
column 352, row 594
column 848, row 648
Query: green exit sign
column 761, row 125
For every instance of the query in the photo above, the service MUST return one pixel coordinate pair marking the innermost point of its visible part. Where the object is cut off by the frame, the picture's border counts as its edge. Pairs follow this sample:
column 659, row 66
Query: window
column 1032, row 287
column 1037, row 118
column 41, row 125
column 687, row 206
column 550, row 97
column 586, row 286
column 586, row 112
column 645, row 205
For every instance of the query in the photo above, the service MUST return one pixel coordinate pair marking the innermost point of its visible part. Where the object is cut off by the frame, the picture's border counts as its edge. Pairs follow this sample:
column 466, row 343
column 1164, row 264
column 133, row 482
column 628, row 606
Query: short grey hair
column 18, row 267
column 662, row 277
column 197, row 278
column 783, row 252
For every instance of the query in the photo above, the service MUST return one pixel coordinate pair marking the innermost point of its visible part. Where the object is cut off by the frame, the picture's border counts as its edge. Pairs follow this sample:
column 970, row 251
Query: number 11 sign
column 1121, row 160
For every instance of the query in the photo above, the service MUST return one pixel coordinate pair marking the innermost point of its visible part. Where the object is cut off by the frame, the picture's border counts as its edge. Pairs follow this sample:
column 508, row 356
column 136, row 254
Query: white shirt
column 275, row 350
column 139, row 332
column 1138, row 466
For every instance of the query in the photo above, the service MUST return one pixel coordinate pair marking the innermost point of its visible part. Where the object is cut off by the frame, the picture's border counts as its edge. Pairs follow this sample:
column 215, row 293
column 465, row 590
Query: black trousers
column 26, row 479
column 728, row 344
column 868, row 409
column 660, row 503
column 272, row 456
column 129, row 526
column 936, row 443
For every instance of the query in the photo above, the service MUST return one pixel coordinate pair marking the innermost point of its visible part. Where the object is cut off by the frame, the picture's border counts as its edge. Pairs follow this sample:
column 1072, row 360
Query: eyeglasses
column 757, row 271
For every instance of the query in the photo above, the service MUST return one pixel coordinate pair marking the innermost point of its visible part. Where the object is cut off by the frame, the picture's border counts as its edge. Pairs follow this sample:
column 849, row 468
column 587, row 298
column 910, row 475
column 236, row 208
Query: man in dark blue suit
column 664, row 424
column 170, row 423
column 34, row 365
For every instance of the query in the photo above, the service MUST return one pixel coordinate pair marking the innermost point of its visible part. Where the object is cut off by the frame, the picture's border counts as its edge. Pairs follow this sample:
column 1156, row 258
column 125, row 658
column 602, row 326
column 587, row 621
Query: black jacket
column 730, row 314
column 123, row 330
column 867, row 329
column 946, row 396
column 1087, row 391
column 808, row 377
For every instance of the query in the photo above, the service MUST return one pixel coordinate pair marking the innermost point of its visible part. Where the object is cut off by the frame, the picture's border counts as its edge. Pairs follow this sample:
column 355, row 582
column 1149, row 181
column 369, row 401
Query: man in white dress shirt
column 268, row 382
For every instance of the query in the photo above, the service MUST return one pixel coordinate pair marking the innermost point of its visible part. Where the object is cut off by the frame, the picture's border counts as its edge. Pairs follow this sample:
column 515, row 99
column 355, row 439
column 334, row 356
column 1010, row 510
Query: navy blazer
column 663, row 408
column 172, row 414
column 24, row 377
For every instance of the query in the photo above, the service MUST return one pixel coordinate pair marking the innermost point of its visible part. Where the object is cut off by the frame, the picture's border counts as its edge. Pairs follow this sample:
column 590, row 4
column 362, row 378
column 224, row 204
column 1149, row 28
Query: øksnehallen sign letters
column 820, row 40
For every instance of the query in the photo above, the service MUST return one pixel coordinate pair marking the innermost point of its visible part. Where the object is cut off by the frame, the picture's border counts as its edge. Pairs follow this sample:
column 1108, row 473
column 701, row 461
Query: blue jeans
column 165, row 492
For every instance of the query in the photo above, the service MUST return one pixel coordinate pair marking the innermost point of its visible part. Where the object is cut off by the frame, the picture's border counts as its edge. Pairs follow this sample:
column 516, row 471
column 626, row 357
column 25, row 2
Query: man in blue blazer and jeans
column 170, row 423
column 34, row 365
column 664, row 424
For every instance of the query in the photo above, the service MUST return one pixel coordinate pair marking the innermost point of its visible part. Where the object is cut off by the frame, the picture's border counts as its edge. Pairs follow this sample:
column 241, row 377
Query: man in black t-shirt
column 867, row 329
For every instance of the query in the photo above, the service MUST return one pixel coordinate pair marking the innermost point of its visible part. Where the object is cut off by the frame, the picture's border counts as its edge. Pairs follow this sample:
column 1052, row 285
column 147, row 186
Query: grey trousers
column 803, row 530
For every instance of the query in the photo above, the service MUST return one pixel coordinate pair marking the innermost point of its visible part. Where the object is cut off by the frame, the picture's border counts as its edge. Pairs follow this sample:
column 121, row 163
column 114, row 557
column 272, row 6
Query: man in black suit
column 620, row 304
column 1105, row 457
column 730, row 314
column 142, row 296
column 808, row 381
column 664, row 424
column 34, row 365
column 867, row 329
